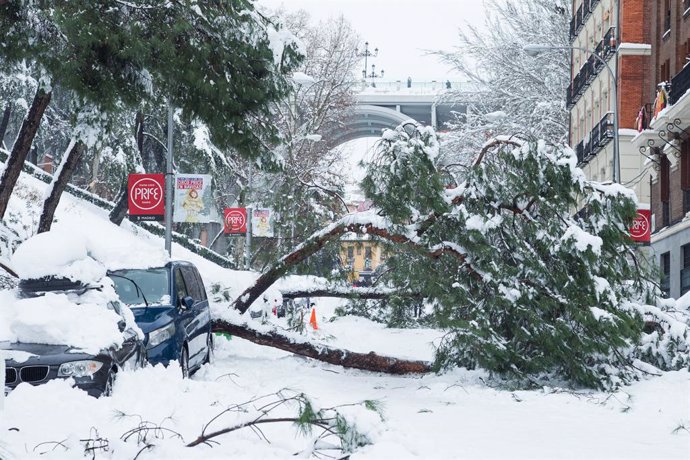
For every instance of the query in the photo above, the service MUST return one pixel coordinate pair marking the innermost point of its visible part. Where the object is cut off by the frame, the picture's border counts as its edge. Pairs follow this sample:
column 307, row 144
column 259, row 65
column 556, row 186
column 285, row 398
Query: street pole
column 248, row 234
column 534, row 50
column 169, row 183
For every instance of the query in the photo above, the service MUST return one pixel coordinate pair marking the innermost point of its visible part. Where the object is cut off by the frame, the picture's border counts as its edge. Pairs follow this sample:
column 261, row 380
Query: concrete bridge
column 390, row 103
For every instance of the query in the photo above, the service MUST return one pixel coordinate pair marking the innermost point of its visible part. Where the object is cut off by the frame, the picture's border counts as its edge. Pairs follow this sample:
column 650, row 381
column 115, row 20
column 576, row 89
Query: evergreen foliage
column 526, row 287
column 220, row 62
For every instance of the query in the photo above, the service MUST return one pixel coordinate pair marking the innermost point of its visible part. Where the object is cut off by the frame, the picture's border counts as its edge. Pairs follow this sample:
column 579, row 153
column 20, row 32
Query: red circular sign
column 640, row 226
column 234, row 221
column 146, row 194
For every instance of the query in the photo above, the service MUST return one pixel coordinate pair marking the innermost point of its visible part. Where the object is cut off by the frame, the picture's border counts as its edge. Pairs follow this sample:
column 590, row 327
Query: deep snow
column 452, row 415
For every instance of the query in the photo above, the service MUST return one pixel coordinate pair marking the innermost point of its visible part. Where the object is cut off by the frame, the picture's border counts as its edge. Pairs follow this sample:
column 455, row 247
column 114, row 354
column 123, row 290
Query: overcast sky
column 402, row 30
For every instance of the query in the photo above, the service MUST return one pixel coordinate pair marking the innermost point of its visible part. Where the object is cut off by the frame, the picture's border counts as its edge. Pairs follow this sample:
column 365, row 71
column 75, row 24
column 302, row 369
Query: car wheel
column 184, row 362
column 209, row 349
column 108, row 389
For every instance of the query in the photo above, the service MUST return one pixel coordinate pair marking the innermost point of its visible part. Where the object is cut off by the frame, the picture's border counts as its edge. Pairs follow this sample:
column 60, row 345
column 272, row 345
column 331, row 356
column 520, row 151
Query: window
column 359, row 250
column 180, row 286
column 685, row 174
column 664, row 173
column 667, row 16
column 666, row 274
column 685, row 271
column 350, row 252
column 190, row 282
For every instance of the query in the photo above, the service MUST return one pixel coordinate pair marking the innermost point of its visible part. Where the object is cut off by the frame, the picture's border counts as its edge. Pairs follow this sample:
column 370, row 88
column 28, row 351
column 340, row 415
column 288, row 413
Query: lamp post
column 372, row 74
column 366, row 54
column 534, row 50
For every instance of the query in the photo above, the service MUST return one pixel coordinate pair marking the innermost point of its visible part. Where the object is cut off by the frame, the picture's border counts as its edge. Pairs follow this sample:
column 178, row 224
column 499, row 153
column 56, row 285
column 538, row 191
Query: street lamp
column 534, row 50
column 373, row 74
column 366, row 54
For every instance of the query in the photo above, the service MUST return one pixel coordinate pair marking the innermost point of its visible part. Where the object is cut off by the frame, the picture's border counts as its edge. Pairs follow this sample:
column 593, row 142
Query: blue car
column 171, row 307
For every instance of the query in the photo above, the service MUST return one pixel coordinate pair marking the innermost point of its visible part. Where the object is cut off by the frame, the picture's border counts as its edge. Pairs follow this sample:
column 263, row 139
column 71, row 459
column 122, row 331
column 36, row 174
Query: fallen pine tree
column 364, row 361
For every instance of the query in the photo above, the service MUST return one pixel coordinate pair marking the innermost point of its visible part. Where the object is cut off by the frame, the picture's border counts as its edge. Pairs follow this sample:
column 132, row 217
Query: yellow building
column 361, row 255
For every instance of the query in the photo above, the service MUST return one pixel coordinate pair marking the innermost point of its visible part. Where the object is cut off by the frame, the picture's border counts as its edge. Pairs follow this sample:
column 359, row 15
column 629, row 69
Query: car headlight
column 158, row 336
column 84, row 368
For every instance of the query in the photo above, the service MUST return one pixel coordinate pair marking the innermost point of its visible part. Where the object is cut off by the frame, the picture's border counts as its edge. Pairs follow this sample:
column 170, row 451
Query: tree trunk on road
column 59, row 184
column 21, row 147
column 355, row 293
column 364, row 361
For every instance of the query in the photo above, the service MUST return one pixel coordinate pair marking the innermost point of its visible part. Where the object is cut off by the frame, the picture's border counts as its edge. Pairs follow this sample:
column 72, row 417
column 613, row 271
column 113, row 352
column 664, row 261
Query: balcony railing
column 592, row 67
column 580, row 17
column 601, row 134
column 609, row 43
column 595, row 141
column 679, row 85
column 579, row 151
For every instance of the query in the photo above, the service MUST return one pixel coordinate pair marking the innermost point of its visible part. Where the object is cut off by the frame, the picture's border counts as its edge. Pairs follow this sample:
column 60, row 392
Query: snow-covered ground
column 452, row 415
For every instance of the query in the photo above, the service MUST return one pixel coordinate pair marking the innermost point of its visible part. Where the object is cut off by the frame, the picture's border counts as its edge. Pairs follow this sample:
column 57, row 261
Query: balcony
column 606, row 129
column 601, row 134
column 579, row 151
column 594, row 139
column 592, row 67
column 679, row 85
column 609, row 43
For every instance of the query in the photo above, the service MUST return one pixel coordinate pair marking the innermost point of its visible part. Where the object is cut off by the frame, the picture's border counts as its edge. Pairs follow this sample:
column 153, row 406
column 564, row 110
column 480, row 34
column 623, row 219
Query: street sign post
column 146, row 197
column 235, row 220
column 641, row 228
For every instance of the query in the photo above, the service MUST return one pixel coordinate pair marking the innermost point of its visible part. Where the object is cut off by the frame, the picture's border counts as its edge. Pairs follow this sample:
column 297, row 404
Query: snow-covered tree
column 525, row 286
column 115, row 55
column 510, row 92
column 307, row 190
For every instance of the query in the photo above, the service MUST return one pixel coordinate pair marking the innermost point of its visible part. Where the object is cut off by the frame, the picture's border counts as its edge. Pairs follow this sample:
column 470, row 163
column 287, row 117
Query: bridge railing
column 414, row 87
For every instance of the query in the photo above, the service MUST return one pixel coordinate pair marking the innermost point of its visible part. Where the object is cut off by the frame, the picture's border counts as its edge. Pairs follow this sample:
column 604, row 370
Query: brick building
column 646, row 43
column 617, row 31
column 665, row 141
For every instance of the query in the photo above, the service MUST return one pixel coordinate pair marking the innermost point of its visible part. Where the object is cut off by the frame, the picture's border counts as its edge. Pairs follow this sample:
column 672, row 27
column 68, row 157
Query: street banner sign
column 641, row 228
column 193, row 199
column 146, row 197
column 235, row 220
column 262, row 222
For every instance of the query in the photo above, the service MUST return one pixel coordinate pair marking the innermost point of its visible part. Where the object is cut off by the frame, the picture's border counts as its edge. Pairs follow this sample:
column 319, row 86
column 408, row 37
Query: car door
column 185, row 315
column 127, row 355
column 198, row 326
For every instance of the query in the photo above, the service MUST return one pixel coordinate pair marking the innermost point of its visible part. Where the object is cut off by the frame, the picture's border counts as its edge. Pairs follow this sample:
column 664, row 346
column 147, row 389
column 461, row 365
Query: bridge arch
column 368, row 121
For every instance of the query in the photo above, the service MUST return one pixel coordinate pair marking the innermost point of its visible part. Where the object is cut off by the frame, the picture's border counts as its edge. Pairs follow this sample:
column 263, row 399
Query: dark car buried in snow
column 171, row 307
column 37, row 363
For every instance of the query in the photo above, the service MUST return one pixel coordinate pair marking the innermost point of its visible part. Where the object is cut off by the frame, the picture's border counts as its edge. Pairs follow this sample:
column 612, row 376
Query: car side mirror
column 121, row 325
column 187, row 303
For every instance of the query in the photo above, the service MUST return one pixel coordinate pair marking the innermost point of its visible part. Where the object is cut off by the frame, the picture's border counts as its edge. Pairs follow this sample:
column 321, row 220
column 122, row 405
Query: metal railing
column 600, row 135
column 580, row 17
column 592, row 67
column 680, row 84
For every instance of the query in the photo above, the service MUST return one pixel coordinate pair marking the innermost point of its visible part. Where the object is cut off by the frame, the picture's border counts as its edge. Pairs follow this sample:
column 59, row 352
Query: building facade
column 609, row 37
column 664, row 141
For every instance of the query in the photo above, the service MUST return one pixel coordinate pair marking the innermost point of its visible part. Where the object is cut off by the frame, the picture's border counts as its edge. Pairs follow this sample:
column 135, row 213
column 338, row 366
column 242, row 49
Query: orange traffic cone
column 312, row 320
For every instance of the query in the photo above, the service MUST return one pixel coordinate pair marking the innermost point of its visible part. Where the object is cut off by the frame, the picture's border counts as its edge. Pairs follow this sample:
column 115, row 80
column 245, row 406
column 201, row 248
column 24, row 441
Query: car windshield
column 153, row 282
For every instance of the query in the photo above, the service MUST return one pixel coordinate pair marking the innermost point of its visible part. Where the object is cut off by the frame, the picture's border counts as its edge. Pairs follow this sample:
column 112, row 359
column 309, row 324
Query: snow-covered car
column 64, row 320
column 92, row 371
column 171, row 307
